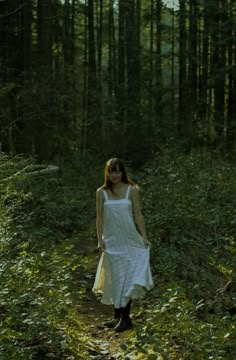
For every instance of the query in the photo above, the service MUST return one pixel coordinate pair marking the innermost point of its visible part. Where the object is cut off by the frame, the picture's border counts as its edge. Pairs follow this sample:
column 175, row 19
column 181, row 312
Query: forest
column 152, row 82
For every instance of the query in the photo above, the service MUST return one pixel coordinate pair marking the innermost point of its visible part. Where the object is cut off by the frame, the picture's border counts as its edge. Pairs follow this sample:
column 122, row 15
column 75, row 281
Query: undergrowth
column 190, row 212
column 39, row 216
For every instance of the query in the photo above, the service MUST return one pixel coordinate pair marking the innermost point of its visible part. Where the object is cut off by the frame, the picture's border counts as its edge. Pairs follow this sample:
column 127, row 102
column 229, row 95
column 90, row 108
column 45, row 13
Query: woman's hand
column 147, row 243
column 101, row 245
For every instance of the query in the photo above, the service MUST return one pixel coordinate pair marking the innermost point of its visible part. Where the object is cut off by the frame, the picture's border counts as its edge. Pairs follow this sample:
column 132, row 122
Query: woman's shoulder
column 134, row 187
column 134, row 193
column 100, row 190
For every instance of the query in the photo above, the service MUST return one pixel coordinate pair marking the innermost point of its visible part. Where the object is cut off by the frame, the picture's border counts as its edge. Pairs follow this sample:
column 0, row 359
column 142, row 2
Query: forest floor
column 50, row 247
column 104, row 344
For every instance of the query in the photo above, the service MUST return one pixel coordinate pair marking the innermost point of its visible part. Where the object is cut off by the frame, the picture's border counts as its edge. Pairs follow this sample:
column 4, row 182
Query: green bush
column 173, row 330
column 37, row 312
column 190, row 212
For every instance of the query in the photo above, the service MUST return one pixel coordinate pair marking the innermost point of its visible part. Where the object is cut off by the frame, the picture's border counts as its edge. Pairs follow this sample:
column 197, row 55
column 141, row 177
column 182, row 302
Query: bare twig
column 13, row 12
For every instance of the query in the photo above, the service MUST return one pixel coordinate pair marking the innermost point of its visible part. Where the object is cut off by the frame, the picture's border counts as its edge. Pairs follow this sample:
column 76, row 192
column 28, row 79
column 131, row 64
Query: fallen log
column 32, row 170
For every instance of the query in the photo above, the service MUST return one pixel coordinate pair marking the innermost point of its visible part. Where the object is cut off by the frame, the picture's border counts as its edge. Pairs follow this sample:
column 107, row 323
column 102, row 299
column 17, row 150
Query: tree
column 92, row 94
column 159, row 85
column 183, row 122
column 218, row 66
column 44, row 33
column 120, row 125
column 151, row 76
column 173, row 66
column 193, row 59
column 204, row 102
column 231, row 112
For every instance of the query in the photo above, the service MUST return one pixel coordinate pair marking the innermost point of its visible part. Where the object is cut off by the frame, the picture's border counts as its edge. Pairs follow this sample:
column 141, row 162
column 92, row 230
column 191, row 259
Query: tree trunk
column 94, row 128
column 84, row 122
column 112, row 66
column 151, row 75
column 137, row 55
column 110, row 50
column 159, row 86
column 231, row 113
column 218, row 63
column 173, row 67
column 100, row 39
column 204, row 73
column 44, row 33
column 73, row 39
column 192, row 68
column 43, row 134
column 182, row 118
column 133, row 78
column 99, row 76
column 27, row 133
column 130, row 61
column 27, row 37
column 121, row 80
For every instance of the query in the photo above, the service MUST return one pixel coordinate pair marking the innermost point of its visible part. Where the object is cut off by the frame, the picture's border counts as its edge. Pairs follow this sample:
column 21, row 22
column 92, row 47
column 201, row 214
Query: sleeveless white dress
column 123, row 271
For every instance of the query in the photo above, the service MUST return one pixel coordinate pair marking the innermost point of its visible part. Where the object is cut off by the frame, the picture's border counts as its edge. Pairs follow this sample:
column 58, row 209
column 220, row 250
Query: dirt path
column 104, row 343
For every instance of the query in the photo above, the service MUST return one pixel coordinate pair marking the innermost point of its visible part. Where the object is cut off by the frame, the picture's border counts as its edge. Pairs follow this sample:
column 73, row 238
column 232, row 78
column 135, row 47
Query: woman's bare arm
column 138, row 216
column 99, row 219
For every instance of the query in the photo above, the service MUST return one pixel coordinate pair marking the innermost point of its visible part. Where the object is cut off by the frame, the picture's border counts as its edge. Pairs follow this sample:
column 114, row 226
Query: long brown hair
column 115, row 164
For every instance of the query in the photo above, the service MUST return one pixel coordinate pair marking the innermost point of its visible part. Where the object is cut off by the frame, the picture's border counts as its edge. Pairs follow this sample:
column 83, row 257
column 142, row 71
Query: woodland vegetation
column 82, row 81
column 76, row 73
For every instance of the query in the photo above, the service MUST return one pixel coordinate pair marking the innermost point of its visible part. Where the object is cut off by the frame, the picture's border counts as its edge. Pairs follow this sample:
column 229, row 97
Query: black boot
column 112, row 323
column 125, row 321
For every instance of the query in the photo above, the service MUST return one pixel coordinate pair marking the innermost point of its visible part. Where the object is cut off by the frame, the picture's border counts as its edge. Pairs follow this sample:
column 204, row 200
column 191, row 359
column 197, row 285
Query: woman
column 123, row 271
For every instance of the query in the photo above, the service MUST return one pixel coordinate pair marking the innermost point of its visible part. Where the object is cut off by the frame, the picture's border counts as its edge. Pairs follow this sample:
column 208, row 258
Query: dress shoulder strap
column 105, row 195
column 127, row 192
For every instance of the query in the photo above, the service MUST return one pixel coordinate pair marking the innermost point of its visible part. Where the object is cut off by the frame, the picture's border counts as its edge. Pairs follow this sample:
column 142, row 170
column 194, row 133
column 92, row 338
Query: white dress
column 123, row 271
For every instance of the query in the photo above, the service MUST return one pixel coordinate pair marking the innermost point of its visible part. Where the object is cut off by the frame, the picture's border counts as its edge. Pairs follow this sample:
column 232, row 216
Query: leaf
column 173, row 299
column 152, row 357
column 199, row 306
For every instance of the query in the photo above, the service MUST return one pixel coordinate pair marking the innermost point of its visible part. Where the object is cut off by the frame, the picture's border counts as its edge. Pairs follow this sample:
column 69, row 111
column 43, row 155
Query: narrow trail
column 104, row 343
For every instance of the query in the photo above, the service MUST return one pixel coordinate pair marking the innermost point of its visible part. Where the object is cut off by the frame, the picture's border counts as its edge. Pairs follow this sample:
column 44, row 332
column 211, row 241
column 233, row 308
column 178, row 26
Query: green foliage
column 36, row 303
column 173, row 330
column 190, row 211
column 37, row 312
column 190, row 214
column 39, row 209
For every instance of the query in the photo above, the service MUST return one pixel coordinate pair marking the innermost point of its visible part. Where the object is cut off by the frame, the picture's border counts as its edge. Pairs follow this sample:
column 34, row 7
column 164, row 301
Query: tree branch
column 13, row 12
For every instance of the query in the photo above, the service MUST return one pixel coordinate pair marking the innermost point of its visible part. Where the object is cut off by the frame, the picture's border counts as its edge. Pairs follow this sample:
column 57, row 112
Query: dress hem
column 132, row 295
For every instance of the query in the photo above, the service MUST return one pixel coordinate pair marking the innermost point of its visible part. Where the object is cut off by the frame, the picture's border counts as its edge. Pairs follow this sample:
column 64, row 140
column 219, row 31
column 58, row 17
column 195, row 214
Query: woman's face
column 115, row 175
